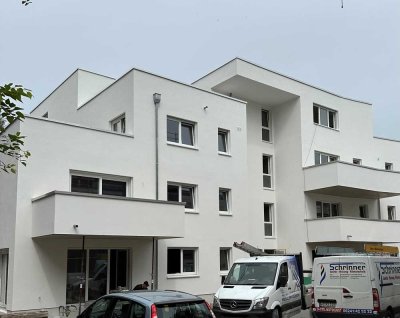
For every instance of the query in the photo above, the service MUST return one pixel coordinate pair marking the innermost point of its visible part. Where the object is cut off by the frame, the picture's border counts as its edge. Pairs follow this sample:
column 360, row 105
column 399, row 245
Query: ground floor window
column 181, row 261
column 3, row 276
column 104, row 270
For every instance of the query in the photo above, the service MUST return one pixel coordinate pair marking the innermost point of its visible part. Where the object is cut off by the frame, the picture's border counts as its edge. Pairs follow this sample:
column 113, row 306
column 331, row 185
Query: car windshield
column 196, row 309
column 252, row 274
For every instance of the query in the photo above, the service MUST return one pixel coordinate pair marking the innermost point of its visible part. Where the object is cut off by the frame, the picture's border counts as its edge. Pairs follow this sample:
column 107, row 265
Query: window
column 357, row 161
column 391, row 213
column 180, row 132
column 267, row 171
column 182, row 193
column 118, row 124
column 3, row 276
column 325, row 116
column 98, row 185
column 224, row 200
column 265, row 123
column 268, row 219
column 224, row 259
column 321, row 158
column 363, row 211
column 223, row 141
column 326, row 210
column 388, row 166
column 46, row 115
column 104, row 270
column 181, row 261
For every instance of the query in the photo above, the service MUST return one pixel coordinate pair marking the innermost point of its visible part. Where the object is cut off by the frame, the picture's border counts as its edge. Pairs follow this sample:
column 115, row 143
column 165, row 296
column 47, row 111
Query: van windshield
column 252, row 274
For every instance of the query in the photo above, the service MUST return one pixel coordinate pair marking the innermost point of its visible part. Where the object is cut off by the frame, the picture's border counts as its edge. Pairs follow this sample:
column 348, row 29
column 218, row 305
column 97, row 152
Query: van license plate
column 327, row 303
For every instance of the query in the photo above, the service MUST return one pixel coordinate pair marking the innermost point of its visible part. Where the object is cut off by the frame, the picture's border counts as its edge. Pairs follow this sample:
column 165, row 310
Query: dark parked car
column 149, row 304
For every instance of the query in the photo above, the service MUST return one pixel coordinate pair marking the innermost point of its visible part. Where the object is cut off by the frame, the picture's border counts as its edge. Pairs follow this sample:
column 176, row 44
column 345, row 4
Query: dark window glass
column 172, row 130
column 316, row 114
column 323, row 116
column 222, row 136
column 224, row 259
column 118, row 269
column 265, row 118
column 388, row 166
column 319, row 209
column 181, row 309
column 188, row 261
column 267, row 181
column 223, row 200
column 265, row 134
column 174, row 261
column 266, row 165
column 138, row 311
column 123, row 125
column 173, row 193
column 84, row 184
column 187, row 134
column 187, row 196
column 324, row 158
column 111, row 187
column 75, row 275
column 97, row 280
column 363, row 211
column 284, row 272
column 332, row 119
column 267, row 229
column 326, row 208
column 99, row 308
column 267, row 214
column 121, row 308
column 335, row 209
column 317, row 157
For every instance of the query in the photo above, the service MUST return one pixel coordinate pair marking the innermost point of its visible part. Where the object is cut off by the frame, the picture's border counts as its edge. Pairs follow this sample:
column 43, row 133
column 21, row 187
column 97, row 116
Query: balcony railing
column 339, row 229
column 66, row 213
column 348, row 180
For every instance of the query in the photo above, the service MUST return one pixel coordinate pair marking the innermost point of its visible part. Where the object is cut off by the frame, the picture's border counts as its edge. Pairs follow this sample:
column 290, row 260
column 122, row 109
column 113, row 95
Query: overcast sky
column 354, row 51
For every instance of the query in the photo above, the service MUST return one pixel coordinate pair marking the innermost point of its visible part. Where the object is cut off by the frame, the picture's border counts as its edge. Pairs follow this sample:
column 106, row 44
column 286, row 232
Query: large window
column 321, row 158
column 182, row 193
column 181, row 261
column 98, row 185
column 223, row 141
column 325, row 116
column 268, row 219
column 267, row 171
column 118, row 124
column 391, row 213
column 326, row 209
column 224, row 200
column 180, row 131
column 104, row 270
column 265, row 122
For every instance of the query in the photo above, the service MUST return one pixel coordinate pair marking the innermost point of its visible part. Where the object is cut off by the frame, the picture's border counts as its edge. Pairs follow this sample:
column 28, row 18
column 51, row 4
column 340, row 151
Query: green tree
column 11, row 144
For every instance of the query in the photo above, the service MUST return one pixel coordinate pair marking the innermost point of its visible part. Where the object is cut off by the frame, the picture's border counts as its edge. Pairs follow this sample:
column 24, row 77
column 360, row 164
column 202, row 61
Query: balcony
column 339, row 229
column 348, row 180
column 57, row 212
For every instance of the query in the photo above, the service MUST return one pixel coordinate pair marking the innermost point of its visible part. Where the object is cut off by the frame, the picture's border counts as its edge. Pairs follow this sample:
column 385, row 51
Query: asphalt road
column 304, row 314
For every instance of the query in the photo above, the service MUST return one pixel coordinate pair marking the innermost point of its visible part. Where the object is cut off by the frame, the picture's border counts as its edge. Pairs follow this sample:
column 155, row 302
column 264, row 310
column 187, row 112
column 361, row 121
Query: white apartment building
column 160, row 186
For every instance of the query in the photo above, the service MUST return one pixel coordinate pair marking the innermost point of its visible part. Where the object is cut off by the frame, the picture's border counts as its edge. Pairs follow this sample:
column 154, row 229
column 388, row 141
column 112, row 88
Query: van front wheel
column 276, row 313
column 389, row 314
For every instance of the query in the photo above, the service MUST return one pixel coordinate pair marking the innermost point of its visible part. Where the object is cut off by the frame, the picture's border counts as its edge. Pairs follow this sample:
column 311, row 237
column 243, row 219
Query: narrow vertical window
column 363, row 211
column 391, row 213
column 268, row 219
column 224, row 200
column 265, row 122
column 3, row 276
column 267, row 171
column 222, row 141
column 224, row 259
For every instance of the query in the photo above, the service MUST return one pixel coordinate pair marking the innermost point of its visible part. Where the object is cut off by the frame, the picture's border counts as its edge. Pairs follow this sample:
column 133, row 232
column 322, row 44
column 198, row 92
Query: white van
column 261, row 286
column 356, row 286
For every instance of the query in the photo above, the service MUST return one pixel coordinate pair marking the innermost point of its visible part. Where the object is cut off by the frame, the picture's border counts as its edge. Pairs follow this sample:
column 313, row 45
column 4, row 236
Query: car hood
column 243, row 292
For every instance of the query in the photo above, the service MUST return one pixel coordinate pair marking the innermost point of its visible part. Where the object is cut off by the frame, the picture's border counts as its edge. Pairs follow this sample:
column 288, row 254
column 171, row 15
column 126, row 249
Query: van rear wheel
column 276, row 313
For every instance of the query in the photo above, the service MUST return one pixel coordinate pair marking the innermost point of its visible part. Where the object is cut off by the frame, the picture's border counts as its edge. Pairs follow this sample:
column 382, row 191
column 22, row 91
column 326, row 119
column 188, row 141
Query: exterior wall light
column 156, row 98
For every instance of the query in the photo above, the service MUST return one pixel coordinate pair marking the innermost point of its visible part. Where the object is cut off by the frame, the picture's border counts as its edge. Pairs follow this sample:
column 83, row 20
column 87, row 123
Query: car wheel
column 389, row 314
column 276, row 313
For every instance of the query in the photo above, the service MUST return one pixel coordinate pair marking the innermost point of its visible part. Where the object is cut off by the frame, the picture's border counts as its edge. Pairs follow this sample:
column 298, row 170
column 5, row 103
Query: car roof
column 157, row 296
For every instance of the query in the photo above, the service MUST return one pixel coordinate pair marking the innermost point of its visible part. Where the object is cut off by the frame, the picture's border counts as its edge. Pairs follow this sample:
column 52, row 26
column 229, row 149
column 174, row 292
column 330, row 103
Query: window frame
column 330, row 204
column 185, row 185
column 357, row 161
column 267, row 173
column 226, row 134
column 120, row 120
column 331, row 157
column 101, row 177
column 180, row 121
column 389, row 166
column 227, row 201
column 365, row 208
column 271, row 219
column 195, row 262
column 268, row 127
column 224, row 272
column 328, row 112
column 391, row 212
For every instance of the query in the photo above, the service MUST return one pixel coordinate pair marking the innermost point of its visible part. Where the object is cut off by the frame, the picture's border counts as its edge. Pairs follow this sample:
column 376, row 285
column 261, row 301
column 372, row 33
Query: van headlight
column 260, row 303
column 216, row 302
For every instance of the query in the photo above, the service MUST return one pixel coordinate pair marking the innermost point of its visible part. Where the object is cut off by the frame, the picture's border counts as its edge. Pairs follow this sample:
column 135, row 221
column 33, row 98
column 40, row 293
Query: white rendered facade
column 38, row 210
